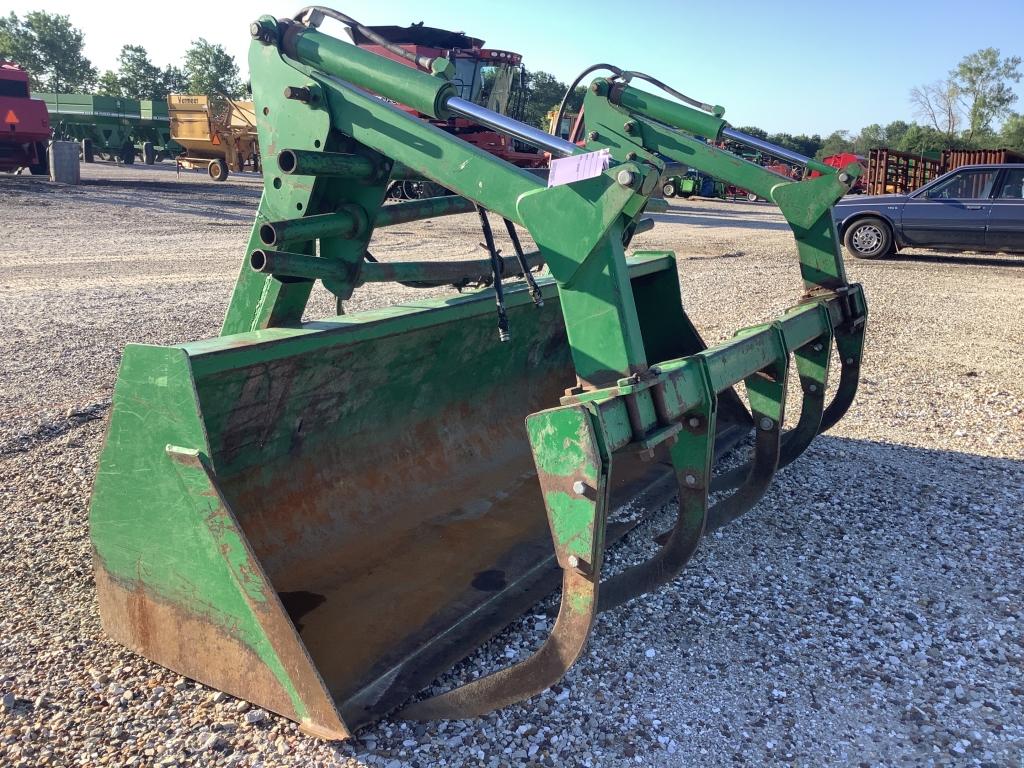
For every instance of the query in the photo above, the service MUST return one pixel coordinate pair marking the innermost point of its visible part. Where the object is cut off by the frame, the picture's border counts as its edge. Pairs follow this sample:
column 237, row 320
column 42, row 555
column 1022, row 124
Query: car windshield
column 964, row 185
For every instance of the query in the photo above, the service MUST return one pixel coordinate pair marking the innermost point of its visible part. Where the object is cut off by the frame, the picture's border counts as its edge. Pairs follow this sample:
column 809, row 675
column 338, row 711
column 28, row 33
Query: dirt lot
column 867, row 612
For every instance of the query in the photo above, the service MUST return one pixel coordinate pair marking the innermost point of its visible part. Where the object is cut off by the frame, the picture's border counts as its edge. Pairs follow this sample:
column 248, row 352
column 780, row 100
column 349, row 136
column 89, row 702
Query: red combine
column 486, row 76
column 24, row 123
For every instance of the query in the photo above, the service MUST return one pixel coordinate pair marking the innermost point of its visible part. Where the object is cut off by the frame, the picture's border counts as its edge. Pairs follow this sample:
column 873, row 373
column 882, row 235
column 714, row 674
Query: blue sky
column 801, row 67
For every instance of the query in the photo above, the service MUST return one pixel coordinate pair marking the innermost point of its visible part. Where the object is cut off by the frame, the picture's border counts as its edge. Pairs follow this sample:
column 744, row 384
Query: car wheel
column 869, row 238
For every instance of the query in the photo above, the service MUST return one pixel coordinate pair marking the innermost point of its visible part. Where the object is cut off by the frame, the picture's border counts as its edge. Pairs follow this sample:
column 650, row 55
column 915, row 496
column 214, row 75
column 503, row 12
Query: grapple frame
column 321, row 516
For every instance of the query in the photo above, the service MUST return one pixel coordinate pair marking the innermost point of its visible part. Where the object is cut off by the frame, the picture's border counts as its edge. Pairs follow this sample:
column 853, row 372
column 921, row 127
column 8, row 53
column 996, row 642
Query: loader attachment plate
column 368, row 483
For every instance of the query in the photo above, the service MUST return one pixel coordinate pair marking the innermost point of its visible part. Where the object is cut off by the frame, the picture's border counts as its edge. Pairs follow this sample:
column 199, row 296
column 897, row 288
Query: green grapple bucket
column 321, row 517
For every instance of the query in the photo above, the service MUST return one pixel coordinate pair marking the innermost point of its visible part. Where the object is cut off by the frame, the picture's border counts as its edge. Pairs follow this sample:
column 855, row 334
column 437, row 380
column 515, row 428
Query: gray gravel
column 867, row 612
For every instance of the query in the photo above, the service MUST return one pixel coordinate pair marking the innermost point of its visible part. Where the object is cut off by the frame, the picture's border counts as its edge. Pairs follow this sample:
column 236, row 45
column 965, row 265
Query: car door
column 953, row 212
column 1006, row 221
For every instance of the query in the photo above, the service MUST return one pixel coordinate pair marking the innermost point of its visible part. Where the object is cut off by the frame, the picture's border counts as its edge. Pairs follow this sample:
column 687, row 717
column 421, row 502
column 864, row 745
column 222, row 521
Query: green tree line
column 971, row 108
column 51, row 49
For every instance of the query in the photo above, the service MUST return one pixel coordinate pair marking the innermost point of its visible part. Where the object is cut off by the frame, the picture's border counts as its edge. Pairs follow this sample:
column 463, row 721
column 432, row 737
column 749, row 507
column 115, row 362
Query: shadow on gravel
column 713, row 219
column 973, row 260
column 837, row 612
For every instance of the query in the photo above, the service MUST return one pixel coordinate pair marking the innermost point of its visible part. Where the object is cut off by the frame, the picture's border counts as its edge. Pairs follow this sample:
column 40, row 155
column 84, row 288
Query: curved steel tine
column 692, row 457
column 850, row 346
column 812, row 362
column 527, row 678
column 766, row 391
column 573, row 470
column 767, row 447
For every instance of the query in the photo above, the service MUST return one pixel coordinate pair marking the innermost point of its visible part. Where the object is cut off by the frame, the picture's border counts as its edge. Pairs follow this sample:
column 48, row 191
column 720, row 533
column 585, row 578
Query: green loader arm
column 256, row 487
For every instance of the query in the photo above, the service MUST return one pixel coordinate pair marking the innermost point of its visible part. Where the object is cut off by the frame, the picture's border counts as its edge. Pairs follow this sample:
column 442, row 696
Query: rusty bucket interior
column 369, row 483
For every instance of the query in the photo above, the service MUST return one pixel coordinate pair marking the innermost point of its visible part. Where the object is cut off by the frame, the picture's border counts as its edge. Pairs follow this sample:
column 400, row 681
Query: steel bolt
column 818, row 347
column 578, row 487
column 629, row 127
column 812, row 387
column 255, row 29
column 298, row 93
column 631, row 155
column 574, row 562
column 593, row 136
column 844, row 177
column 694, row 422
column 849, row 361
column 626, row 178
column 767, row 424
column 690, row 480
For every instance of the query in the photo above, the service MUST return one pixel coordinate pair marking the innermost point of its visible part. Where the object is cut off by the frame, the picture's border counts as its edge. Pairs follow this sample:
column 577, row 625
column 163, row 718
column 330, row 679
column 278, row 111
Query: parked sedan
column 974, row 208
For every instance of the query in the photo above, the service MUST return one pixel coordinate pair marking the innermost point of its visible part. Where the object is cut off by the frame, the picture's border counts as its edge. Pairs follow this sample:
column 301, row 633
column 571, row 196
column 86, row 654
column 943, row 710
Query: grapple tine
column 766, row 391
column 850, row 345
column 573, row 469
column 692, row 457
column 812, row 362
column 528, row 678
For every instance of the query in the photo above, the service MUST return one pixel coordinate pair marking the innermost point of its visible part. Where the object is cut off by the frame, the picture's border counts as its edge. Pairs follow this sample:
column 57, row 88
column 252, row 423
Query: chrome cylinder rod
column 510, row 127
column 765, row 146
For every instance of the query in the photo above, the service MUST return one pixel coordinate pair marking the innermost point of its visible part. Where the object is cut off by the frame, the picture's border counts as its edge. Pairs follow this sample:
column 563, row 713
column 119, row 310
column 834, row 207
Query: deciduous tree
column 50, row 49
column 210, row 70
column 983, row 84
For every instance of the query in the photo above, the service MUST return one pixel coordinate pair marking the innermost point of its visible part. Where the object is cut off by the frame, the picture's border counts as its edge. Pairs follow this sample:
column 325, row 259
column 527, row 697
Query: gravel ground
column 867, row 612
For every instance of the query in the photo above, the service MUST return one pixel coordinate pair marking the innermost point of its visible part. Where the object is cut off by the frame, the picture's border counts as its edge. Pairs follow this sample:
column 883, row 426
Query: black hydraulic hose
column 625, row 75
column 330, row 13
column 538, row 297
column 496, row 268
column 557, row 124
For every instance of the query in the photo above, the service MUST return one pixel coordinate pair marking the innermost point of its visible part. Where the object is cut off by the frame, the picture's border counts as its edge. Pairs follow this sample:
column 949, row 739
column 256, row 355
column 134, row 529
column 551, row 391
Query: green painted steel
column 672, row 131
column 345, row 223
column 111, row 123
column 416, row 210
column 306, row 163
column 414, row 88
column 320, row 516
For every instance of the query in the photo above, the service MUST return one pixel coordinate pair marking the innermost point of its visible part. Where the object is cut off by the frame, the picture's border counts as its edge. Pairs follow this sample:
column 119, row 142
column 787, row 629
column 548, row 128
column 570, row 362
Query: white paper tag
column 566, row 170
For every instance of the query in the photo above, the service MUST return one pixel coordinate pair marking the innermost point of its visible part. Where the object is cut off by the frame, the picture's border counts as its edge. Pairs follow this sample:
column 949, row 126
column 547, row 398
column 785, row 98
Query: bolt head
column 574, row 562
column 578, row 487
column 849, row 361
column 592, row 136
column 812, row 387
column 255, row 29
column 694, row 422
column 690, row 480
column 818, row 347
column 625, row 178
column 767, row 424
column 844, row 177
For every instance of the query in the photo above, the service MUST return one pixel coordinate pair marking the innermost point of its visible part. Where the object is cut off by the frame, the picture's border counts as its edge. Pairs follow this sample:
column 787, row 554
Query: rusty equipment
column 217, row 135
column 322, row 516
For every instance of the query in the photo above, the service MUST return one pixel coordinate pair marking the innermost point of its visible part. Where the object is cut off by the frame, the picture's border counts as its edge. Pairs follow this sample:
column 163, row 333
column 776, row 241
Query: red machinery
column 24, row 123
column 485, row 76
column 842, row 160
